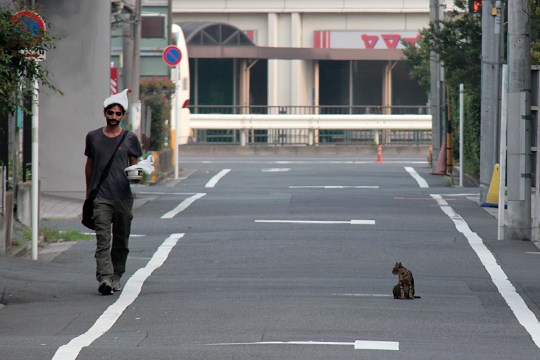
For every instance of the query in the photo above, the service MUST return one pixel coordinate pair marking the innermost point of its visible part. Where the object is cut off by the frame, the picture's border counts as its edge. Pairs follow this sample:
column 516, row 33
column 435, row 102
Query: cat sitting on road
column 405, row 286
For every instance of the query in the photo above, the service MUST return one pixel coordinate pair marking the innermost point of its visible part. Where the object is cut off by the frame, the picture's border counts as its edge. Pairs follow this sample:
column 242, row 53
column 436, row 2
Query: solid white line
column 276, row 170
column 213, row 181
column 376, row 345
column 335, row 187
column 421, row 182
column 364, row 295
column 162, row 193
column 358, row 344
column 130, row 292
column 350, row 222
column 182, row 206
column 521, row 311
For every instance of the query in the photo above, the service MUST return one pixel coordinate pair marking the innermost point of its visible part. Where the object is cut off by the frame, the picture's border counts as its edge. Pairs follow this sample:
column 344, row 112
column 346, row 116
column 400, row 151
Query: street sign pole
column 35, row 170
column 172, row 56
column 33, row 23
column 176, row 121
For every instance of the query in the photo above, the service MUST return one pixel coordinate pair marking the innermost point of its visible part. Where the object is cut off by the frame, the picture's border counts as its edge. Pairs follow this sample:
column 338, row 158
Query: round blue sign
column 172, row 55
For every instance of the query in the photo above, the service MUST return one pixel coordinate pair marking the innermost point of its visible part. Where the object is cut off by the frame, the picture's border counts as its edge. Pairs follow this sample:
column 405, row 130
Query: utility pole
column 518, row 224
column 435, row 90
column 490, row 93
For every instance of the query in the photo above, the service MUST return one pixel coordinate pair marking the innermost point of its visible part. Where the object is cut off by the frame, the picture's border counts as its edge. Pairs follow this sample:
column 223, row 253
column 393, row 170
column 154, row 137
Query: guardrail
column 310, row 129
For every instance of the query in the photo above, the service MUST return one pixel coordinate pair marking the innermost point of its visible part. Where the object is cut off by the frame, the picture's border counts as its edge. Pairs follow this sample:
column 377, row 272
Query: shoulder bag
column 88, row 205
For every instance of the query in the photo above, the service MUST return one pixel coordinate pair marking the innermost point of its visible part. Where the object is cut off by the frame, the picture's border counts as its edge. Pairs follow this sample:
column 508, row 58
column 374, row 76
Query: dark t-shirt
column 99, row 148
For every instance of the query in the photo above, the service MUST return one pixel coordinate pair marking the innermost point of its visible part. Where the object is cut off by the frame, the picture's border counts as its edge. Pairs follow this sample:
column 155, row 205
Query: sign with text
column 363, row 39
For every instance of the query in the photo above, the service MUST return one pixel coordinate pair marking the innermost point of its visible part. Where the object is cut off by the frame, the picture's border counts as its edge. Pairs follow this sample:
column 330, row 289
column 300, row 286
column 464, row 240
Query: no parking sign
column 172, row 55
column 31, row 22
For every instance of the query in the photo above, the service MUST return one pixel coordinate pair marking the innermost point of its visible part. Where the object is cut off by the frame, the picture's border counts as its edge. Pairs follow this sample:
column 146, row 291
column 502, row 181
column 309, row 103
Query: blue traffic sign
column 172, row 55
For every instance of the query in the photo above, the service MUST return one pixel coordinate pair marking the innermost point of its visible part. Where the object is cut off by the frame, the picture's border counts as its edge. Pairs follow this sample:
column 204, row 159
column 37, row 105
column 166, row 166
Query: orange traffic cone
column 441, row 166
column 379, row 154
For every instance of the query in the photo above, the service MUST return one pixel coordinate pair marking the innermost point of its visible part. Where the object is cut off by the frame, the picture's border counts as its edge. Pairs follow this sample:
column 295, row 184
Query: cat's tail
column 417, row 297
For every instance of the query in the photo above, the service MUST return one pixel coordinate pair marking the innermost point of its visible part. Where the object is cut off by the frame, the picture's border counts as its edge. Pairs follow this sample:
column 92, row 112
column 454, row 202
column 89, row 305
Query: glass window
column 153, row 26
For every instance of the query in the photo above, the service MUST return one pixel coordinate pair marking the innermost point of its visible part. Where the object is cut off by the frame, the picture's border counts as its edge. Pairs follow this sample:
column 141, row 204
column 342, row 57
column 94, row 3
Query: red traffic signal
column 475, row 6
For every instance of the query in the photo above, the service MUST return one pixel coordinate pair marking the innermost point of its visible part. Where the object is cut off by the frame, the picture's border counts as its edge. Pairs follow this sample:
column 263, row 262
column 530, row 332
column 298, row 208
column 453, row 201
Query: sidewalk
column 61, row 205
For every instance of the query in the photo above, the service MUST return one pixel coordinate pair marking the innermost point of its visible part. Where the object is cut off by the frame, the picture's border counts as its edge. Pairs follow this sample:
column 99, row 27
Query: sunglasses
column 117, row 113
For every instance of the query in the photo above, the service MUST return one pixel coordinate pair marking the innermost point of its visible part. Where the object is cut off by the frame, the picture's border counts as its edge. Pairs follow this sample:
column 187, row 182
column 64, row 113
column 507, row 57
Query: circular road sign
column 172, row 55
column 31, row 22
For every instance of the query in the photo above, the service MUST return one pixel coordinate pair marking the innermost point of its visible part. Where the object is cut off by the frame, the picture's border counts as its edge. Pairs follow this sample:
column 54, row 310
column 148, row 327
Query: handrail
column 320, row 122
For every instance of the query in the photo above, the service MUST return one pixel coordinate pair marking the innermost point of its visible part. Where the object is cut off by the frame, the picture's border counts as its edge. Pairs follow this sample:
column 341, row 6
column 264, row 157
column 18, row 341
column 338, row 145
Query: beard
column 112, row 122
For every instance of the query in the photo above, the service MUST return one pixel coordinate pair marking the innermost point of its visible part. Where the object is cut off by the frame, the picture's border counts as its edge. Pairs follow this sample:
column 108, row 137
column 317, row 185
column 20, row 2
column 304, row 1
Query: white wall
column 80, row 68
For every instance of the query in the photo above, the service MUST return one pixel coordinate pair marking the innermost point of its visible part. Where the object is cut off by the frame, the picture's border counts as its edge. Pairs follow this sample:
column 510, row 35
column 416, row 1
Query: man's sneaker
column 116, row 286
column 105, row 287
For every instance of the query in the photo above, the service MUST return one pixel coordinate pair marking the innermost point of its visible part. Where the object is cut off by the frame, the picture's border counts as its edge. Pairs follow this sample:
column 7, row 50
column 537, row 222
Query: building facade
column 341, row 54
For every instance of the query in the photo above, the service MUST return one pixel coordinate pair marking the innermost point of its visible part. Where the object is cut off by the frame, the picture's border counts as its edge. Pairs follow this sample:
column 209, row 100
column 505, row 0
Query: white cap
column 120, row 99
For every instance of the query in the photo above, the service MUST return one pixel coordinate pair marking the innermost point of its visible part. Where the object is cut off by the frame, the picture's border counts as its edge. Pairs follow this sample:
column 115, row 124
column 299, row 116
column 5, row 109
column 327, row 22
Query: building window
column 153, row 26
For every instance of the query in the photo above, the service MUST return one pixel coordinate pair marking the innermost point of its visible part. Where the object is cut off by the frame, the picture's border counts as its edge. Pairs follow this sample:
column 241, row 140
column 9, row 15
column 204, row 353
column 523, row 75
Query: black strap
column 107, row 167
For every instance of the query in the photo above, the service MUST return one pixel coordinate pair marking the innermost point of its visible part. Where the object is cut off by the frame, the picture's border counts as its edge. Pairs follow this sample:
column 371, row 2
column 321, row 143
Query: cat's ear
column 399, row 264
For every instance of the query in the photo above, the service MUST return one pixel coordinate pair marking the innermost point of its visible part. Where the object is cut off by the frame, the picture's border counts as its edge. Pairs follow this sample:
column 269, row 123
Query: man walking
column 114, row 201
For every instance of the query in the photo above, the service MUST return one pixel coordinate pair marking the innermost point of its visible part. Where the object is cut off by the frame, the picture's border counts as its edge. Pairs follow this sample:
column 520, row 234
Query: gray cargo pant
column 110, row 255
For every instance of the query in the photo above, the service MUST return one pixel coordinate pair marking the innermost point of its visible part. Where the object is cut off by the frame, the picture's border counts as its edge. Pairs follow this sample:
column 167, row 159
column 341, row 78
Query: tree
column 458, row 42
column 17, row 71
column 156, row 94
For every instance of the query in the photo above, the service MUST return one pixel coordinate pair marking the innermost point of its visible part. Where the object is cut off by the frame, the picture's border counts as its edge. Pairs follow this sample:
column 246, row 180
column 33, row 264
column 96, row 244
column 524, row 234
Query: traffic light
column 475, row 6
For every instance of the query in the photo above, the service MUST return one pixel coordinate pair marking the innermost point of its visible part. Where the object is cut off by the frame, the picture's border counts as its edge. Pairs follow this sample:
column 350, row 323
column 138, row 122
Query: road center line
column 350, row 222
column 358, row 344
column 335, row 187
column 130, row 292
column 182, row 206
column 521, row 311
column 421, row 182
column 213, row 181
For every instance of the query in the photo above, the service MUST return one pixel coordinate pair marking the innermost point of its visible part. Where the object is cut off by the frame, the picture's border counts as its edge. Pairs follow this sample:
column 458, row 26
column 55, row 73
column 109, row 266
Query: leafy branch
column 17, row 70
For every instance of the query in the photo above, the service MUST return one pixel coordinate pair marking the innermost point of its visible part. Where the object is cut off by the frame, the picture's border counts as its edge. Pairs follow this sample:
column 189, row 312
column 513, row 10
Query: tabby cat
column 405, row 287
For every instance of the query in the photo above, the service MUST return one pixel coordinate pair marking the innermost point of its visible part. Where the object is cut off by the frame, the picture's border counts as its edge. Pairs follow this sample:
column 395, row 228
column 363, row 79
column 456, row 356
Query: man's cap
column 120, row 99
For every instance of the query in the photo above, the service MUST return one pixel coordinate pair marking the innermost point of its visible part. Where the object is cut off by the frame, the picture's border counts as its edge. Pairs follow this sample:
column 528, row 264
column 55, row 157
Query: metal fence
column 308, row 110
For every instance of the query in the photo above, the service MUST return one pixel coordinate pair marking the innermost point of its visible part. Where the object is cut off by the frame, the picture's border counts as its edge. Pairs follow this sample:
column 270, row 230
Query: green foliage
column 458, row 42
column 16, row 70
column 156, row 94
column 51, row 235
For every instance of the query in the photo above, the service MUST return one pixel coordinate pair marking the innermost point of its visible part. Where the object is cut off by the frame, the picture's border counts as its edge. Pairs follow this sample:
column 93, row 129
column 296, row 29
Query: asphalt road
column 287, row 257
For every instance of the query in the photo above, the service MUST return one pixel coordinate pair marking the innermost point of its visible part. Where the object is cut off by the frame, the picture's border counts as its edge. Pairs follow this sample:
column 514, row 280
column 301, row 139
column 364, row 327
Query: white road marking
column 213, row 181
column 335, row 187
column 182, row 206
column 162, row 193
column 350, row 222
column 130, row 235
column 358, row 344
column 521, row 311
column 364, row 295
column 130, row 292
column 276, row 170
column 421, row 182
